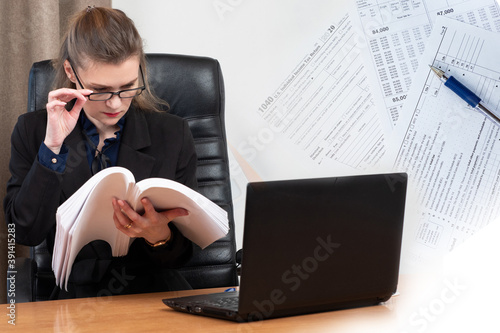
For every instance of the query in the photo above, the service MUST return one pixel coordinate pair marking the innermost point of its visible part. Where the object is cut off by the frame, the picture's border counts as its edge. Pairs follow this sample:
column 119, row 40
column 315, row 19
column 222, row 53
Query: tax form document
column 450, row 150
column 324, row 108
column 396, row 33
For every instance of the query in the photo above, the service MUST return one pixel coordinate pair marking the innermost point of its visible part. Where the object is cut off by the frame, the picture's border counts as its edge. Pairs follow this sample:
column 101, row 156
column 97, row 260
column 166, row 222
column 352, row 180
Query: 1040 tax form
column 450, row 150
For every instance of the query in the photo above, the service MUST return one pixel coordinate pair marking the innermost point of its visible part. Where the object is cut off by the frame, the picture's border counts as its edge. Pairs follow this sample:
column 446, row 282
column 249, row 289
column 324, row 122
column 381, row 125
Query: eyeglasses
column 104, row 96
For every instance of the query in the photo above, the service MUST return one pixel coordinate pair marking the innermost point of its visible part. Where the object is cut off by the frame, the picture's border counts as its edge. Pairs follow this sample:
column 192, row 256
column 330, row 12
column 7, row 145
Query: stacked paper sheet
column 88, row 215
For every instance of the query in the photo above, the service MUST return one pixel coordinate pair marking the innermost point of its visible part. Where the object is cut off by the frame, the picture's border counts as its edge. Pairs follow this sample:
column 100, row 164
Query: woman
column 113, row 119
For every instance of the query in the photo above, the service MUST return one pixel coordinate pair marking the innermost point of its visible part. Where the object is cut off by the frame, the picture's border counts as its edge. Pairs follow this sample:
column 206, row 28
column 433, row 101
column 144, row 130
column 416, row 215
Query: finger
column 83, row 93
column 129, row 231
column 120, row 226
column 148, row 206
column 171, row 214
column 129, row 212
column 121, row 220
column 67, row 94
column 128, row 228
column 59, row 94
column 52, row 106
column 77, row 107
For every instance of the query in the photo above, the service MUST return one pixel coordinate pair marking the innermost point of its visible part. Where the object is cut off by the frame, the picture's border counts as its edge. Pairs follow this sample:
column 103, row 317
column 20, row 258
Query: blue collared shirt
column 111, row 145
column 49, row 159
column 57, row 162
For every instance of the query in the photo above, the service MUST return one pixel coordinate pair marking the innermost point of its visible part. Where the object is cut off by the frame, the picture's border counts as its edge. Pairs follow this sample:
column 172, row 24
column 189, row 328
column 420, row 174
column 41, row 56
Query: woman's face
column 103, row 77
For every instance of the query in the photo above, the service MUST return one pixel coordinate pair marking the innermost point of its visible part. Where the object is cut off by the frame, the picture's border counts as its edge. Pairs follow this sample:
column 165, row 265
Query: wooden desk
column 147, row 313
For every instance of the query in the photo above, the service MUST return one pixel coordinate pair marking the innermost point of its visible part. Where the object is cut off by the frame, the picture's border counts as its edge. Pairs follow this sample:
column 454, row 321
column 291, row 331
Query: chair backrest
column 194, row 88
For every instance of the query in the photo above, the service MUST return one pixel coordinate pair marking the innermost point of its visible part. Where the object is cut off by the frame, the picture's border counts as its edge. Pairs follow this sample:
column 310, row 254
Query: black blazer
column 152, row 145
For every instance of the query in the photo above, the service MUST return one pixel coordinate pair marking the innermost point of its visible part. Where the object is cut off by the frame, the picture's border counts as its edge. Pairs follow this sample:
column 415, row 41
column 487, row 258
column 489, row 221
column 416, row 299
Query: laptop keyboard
column 224, row 302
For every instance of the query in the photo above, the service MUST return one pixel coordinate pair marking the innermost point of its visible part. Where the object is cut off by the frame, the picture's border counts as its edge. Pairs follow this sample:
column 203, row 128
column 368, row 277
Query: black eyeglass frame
column 111, row 93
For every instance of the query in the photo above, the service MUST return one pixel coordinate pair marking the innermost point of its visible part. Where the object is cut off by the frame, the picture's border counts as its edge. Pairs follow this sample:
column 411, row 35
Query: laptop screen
column 324, row 243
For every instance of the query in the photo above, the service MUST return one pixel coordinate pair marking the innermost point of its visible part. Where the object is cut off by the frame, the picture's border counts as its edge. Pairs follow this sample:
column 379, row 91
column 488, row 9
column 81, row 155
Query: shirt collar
column 91, row 129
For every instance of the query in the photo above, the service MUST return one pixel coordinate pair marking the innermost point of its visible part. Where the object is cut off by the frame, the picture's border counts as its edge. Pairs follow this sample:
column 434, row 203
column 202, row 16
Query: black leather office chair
column 194, row 88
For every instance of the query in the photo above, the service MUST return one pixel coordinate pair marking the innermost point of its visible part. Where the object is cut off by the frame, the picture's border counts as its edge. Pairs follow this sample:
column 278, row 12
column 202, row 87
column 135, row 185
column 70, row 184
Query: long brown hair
column 103, row 35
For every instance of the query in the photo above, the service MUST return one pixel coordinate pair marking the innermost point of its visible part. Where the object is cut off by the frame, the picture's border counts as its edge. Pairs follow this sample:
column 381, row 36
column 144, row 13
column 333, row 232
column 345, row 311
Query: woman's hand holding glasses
column 61, row 122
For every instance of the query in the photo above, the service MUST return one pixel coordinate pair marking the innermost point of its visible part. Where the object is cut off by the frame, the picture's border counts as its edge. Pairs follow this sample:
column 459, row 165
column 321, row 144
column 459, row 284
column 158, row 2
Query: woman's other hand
column 152, row 225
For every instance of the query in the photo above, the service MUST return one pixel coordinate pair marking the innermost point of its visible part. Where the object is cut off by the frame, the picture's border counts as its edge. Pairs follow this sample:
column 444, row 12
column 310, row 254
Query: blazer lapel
column 136, row 137
column 77, row 166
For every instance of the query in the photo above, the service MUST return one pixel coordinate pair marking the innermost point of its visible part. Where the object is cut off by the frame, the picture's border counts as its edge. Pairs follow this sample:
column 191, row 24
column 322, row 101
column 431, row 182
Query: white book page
column 66, row 217
column 206, row 221
column 94, row 221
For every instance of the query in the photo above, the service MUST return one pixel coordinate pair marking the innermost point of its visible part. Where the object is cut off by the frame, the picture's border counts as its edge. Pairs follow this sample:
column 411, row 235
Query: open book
column 88, row 215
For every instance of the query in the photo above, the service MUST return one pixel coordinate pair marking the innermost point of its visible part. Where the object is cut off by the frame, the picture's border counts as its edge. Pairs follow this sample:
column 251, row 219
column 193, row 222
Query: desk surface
column 147, row 313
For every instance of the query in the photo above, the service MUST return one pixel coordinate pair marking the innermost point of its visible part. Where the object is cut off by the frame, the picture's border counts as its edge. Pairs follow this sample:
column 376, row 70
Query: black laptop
column 313, row 245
